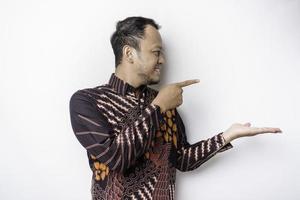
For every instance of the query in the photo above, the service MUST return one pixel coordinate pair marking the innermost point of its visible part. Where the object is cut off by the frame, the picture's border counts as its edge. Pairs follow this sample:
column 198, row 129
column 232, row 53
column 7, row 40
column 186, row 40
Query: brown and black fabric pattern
column 133, row 148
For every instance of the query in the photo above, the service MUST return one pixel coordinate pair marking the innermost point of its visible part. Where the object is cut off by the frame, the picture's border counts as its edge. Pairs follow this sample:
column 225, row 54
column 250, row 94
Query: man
column 134, row 136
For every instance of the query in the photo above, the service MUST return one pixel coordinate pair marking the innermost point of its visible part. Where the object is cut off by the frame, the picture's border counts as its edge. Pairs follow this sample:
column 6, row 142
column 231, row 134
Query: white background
column 246, row 54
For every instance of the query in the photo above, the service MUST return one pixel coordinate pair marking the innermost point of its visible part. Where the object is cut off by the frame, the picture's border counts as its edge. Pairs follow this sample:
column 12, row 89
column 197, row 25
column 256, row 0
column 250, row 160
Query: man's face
column 150, row 57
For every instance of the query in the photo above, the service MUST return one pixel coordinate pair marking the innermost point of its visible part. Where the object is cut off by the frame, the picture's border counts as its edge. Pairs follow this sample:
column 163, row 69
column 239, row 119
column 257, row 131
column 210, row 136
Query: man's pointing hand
column 187, row 82
column 170, row 96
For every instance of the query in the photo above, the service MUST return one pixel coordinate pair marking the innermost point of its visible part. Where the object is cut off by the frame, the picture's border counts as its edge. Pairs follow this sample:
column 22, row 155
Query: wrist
column 227, row 136
column 162, row 109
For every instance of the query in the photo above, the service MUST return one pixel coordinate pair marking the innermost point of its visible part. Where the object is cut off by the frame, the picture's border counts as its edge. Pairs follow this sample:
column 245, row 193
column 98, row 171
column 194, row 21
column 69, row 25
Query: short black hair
column 128, row 32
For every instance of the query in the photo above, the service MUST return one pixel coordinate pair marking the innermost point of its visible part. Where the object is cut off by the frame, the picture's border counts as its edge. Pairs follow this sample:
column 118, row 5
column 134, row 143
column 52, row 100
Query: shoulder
column 91, row 93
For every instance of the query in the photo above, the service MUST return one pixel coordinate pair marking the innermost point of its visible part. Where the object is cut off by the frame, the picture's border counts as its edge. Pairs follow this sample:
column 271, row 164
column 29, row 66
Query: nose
column 161, row 59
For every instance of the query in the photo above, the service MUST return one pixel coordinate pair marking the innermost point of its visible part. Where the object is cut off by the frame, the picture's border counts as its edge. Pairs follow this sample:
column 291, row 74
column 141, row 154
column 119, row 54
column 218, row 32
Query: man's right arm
column 117, row 150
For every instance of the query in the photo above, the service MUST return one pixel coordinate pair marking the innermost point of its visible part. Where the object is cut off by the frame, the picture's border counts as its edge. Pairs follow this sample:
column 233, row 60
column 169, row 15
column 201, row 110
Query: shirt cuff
column 222, row 141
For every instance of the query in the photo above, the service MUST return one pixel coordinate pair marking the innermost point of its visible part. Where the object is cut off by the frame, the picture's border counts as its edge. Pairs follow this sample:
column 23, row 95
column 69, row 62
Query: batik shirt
column 132, row 146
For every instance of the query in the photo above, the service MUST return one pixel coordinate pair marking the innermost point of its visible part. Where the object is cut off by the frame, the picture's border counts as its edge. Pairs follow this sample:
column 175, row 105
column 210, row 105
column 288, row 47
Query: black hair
column 128, row 32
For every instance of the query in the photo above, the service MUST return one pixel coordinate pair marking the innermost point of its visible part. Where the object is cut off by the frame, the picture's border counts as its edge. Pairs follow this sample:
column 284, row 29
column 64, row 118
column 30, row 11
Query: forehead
column 152, row 38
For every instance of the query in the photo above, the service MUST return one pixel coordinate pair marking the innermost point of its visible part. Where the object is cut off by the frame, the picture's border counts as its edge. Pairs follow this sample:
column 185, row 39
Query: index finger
column 187, row 82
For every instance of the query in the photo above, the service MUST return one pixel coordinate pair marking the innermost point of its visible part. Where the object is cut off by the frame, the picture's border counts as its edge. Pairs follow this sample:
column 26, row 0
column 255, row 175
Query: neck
column 127, row 76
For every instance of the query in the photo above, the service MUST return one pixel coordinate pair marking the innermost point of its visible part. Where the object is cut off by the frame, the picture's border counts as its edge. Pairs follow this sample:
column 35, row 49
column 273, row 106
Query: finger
column 187, row 82
column 273, row 130
column 268, row 130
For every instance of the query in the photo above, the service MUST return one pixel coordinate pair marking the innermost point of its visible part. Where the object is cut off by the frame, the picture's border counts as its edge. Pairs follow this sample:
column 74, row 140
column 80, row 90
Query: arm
column 117, row 150
column 192, row 156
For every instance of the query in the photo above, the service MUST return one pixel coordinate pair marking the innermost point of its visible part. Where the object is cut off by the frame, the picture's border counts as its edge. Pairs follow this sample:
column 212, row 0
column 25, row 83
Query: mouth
column 157, row 69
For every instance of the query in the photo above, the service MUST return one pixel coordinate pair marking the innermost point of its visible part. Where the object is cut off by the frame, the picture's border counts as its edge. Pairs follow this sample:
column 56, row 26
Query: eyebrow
column 158, row 46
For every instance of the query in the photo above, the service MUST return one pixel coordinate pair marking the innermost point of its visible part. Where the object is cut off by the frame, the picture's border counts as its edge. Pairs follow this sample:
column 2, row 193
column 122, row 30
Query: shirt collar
column 122, row 87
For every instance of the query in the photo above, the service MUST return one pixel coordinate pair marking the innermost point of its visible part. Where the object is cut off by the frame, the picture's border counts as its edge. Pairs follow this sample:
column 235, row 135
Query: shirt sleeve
column 118, row 150
column 191, row 156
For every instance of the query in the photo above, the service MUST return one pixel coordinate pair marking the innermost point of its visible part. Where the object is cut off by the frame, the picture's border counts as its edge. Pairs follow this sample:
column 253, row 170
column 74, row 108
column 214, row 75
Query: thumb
column 247, row 124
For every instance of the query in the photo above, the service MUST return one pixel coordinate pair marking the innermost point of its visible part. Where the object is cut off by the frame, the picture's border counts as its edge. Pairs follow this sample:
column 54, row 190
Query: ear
column 128, row 53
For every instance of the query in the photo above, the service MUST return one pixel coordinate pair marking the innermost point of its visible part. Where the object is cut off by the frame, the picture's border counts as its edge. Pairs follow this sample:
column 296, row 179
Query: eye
column 156, row 53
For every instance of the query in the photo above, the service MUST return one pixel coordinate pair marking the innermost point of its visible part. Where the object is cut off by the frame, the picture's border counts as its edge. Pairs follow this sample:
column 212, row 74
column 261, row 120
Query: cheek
column 150, row 63
column 154, row 62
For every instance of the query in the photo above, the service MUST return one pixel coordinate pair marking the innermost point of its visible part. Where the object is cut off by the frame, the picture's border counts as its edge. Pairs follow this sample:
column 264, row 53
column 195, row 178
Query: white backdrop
column 246, row 54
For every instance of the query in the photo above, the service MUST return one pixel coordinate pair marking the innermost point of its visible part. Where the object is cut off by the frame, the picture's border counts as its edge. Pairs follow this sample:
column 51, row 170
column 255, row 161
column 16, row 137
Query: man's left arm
column 191, row 156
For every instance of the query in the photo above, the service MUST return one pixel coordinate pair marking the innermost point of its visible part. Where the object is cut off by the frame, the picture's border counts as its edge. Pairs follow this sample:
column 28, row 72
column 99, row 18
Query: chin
column 154, row 81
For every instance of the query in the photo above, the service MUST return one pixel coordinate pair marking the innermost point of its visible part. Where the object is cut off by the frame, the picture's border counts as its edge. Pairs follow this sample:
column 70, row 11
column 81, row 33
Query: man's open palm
column 241, row 130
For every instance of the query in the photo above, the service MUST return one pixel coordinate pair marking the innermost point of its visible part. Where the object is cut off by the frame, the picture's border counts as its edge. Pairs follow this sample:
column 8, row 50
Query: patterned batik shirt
column 133, row 148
